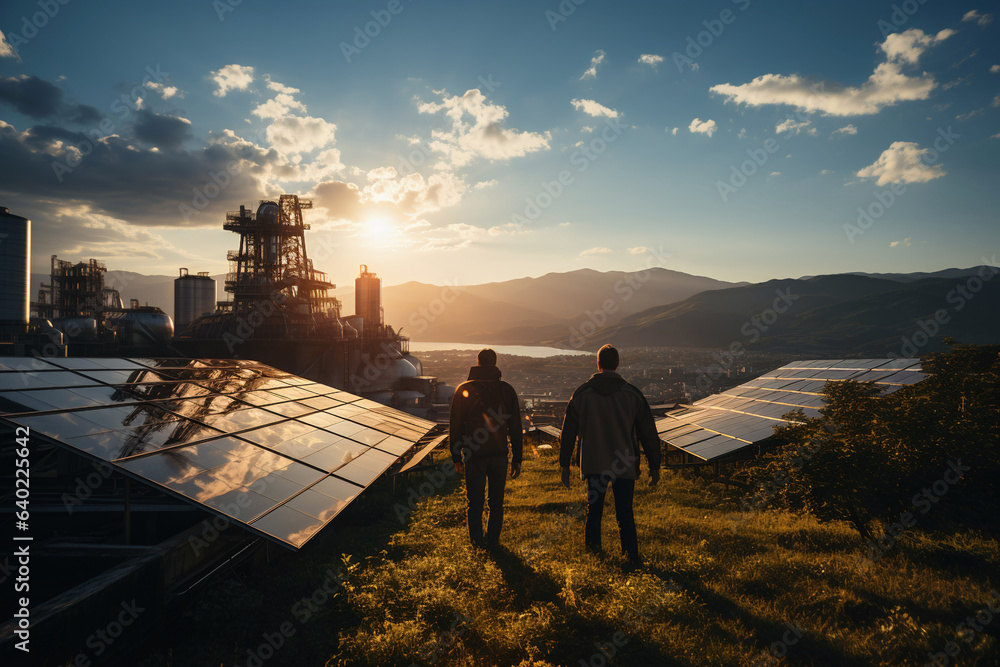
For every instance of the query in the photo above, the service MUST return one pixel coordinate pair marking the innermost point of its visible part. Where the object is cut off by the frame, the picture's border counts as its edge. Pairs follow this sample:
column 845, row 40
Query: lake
column 538, row 352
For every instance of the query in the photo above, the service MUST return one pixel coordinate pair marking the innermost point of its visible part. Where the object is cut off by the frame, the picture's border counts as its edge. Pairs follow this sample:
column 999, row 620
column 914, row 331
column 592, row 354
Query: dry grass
column 714, row 591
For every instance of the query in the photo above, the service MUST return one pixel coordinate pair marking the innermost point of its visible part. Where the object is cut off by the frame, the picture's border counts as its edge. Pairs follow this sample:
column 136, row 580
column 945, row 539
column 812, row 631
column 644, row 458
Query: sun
column 379, row 228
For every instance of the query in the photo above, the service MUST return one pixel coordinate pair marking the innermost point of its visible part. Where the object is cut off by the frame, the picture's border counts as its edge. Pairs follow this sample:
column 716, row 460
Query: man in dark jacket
column 484, row 414
column 609, row 415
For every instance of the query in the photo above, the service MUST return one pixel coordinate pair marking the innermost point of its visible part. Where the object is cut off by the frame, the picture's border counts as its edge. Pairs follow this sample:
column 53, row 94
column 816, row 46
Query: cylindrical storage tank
column 405, row 369
column 269, row 215
column 47, row 329
column 77, row 328
column 141, row 327
column 368, row 299
column 15, row 272
column 194, row 296
column 416, row 363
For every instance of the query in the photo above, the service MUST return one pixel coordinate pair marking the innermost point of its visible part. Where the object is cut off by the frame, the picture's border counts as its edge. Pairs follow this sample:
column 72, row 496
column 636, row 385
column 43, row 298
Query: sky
column 469, row 142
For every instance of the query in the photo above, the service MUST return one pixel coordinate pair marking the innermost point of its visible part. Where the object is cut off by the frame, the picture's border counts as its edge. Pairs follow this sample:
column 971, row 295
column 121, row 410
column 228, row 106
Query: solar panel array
column 726, row 422
column 277, row 453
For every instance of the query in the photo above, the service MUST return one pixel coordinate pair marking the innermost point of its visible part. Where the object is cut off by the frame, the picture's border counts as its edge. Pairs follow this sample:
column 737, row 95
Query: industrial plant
column 165, row 452
column 279, row 311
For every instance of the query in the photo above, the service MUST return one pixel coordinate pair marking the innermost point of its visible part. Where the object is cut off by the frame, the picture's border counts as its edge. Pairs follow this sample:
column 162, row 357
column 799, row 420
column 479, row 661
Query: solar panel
column 723, row 423
column 280, row 454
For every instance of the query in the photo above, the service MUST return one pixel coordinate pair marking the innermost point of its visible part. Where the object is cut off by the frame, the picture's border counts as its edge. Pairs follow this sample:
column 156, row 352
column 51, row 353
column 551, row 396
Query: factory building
column 280, row 312
column 15, row 273
column 92, row 317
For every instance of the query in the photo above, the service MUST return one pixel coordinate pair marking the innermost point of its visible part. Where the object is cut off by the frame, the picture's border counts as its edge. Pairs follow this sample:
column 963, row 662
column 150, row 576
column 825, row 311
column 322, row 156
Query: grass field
column 719, row 588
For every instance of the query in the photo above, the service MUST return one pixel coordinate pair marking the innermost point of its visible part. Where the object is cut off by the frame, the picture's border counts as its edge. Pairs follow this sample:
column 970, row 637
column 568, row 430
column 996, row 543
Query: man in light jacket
column 485, row 413
column 609, row 416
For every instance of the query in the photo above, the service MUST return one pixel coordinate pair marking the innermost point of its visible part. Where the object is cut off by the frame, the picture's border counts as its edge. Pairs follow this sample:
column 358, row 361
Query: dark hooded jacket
column 485, row 413
column 611, row 417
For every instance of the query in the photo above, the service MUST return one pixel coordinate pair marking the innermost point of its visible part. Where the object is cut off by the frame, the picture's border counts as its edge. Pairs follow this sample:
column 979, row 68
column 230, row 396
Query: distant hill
column 826, row 315
column 527, row 310
column 917, row 275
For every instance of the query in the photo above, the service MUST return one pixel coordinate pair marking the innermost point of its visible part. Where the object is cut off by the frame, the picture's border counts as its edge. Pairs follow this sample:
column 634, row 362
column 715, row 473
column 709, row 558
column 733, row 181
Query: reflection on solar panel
column 724, row 423
column 277, row 453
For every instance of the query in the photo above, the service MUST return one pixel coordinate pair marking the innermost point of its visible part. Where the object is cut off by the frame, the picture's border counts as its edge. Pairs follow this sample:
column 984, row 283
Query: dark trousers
column 623, row 491
column 481, row 473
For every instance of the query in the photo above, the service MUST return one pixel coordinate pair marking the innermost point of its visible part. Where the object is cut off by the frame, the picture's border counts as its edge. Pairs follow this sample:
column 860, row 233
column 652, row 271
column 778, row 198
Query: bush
column 877, row 461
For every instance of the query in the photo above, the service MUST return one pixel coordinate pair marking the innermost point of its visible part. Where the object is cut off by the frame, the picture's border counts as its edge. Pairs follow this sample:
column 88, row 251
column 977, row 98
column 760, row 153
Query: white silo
column 15, row 273
column 194, row 296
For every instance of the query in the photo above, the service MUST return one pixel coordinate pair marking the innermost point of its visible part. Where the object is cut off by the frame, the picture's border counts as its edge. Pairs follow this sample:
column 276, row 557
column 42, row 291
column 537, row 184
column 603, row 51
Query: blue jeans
column 481, row 473
column 623, row 491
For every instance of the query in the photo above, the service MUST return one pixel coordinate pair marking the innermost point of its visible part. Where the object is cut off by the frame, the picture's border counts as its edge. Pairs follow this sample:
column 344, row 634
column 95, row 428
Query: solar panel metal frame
column 399, row 431
column 764, row 400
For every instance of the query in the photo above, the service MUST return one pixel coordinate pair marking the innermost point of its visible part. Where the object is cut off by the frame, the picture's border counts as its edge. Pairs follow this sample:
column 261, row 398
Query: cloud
column 650, row 59
column 673, row 130
column 907, row 47
column 775, row 173
column 232, row 77
column 120, row 178
column 39, row 99
column 742, row 134
column 699, row 126
column 847, row 129
column 995, row 69
column 342, row 200
column 390, row 196
column 163, row 131
column 591, row 71
column 300, row 134
column 593, row 108
column 165, row 91
column 477, row 130
column 970, row 114
column 982, row 19
column 591, row 252
column 80, row 231
column 6, row 50
column 587, row 129
column 905, row 243
column 640, row 250
column 886, row 86
column 279, row 87
column 482, row 185
column 789, row 125
column 902, row 162
column 280, row 105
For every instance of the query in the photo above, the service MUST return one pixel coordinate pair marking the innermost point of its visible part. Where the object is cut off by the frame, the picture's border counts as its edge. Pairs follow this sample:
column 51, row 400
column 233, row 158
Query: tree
column 874, row 460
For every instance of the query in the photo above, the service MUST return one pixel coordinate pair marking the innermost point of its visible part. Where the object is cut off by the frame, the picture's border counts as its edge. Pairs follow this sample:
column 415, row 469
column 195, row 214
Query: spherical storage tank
column 15, row 268
column 194, row 296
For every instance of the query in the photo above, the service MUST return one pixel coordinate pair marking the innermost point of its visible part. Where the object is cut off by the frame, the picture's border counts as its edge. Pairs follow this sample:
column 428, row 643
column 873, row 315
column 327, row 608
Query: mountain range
column 850, row 313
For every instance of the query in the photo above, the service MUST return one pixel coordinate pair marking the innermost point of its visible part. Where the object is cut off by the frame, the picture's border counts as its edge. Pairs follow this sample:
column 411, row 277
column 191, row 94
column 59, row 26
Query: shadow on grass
column 527, row 584
column 555, row 508
column 804, row 651
column 948, row 558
